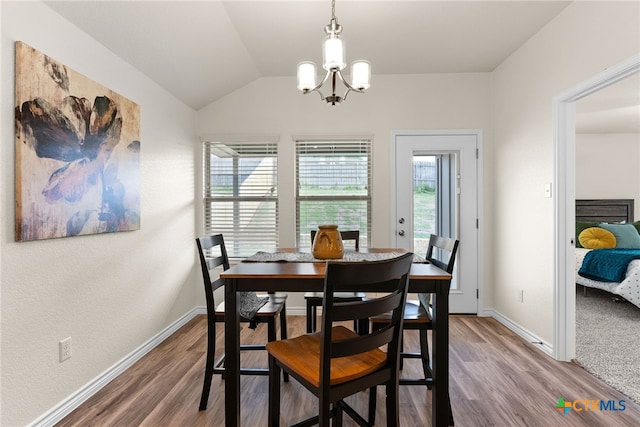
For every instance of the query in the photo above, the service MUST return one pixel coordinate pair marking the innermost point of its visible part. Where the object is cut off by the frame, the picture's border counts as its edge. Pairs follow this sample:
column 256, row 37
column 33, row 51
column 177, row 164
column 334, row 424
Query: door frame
column 480, row 174
column 564, row 135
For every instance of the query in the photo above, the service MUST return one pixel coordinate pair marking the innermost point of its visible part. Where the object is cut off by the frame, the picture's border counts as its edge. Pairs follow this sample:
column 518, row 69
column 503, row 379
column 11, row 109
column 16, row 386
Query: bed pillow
column 626, row 235
column 580, row 227
column 597, row 238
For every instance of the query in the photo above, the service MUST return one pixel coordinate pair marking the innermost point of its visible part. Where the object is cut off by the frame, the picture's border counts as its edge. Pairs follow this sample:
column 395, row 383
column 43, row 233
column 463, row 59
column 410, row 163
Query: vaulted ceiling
column 201, row 51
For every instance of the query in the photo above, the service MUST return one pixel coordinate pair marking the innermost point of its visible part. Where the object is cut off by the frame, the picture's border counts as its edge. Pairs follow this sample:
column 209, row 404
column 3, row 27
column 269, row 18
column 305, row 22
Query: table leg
column 440, row 363
column 232, row 355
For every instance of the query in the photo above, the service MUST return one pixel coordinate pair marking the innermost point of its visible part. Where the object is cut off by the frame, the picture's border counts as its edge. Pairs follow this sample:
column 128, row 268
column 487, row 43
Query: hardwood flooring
column 497, row 379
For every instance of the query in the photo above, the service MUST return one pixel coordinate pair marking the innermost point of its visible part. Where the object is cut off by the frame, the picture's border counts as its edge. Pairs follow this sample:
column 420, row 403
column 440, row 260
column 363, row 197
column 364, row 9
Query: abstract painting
column 77, row 153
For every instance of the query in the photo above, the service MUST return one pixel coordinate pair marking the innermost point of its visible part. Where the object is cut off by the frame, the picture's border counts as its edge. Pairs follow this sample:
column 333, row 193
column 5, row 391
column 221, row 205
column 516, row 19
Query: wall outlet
column 65, row 349
column 521, row 295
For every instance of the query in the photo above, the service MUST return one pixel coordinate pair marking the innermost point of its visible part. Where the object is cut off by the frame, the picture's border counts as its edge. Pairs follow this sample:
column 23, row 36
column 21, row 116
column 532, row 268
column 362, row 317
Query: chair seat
column 336, row 295
column 414, row 312
column 302, row 356
column 272, row 308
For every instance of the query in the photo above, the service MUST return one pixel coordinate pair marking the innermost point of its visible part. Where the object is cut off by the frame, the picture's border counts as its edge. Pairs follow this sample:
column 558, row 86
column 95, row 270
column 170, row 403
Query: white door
column 437, row 193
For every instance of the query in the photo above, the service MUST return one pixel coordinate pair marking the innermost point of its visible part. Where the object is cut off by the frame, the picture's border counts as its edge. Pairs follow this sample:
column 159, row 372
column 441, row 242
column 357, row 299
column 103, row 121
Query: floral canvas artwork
column 77, row 152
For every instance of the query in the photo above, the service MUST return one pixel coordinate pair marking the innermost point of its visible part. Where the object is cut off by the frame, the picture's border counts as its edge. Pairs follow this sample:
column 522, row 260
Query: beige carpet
column 608, row 339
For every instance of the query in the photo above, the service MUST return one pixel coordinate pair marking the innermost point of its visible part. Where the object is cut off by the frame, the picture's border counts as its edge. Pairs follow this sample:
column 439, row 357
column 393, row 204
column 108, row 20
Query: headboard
column 605, row 210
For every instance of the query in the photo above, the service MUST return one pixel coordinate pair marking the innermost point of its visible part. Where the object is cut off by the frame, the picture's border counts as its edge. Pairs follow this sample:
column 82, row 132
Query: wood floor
column 497, row 379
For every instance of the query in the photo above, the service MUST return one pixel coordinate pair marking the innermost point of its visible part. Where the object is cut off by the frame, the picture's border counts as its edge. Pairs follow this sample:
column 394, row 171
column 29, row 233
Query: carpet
column 608, row 339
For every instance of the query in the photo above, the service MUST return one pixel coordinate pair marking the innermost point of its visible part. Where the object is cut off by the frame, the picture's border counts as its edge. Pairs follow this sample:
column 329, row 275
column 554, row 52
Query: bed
column 591, row 213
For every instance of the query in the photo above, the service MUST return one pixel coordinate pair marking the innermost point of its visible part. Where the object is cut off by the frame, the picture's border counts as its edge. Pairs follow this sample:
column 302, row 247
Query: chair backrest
column 436, row 255
column 388, row 276
column 213, row 253
column 346, row 236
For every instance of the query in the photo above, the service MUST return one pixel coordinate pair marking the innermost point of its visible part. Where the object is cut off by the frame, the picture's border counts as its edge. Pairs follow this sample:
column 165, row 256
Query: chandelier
column 334, row 62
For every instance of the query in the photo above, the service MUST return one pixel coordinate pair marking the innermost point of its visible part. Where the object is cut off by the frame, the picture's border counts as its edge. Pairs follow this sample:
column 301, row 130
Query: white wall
column 583, row 40
column 407, row 102
column 607, row 167
column 110, row 293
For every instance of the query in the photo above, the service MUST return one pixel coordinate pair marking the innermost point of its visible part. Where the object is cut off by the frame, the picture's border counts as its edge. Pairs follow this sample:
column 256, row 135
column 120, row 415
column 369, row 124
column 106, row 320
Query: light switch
column 547, row 190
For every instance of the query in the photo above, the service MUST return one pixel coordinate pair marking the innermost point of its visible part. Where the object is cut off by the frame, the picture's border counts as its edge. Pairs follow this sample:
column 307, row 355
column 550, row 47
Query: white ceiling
column 201, row 51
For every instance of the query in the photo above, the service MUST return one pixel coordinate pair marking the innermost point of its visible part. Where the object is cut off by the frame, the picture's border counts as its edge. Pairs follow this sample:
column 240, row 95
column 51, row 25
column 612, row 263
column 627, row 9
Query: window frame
column 238, row 236
column 366, row 147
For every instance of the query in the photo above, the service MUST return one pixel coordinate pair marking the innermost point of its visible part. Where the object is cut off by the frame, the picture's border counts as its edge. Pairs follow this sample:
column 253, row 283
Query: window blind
column 333, row 186
column 241, row 195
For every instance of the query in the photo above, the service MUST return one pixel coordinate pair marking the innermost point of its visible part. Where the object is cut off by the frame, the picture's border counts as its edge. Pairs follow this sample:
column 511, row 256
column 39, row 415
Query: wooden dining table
column 309, row 276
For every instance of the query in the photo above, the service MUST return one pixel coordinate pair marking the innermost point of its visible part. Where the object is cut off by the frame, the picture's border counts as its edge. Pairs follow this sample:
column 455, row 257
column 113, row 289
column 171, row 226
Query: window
column 241, row 195
column 333, row 182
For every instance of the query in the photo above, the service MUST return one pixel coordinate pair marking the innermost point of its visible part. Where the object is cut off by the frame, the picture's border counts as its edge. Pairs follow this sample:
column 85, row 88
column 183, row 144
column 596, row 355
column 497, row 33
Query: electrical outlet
column 65, row 349
column 521, row 295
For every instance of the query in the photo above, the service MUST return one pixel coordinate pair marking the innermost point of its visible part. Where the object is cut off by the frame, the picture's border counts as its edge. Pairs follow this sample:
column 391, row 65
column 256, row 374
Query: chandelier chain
column 333, row 9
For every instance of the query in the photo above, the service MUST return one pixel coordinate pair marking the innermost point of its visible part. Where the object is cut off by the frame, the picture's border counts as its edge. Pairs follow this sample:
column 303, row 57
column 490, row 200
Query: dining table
column 302, row 275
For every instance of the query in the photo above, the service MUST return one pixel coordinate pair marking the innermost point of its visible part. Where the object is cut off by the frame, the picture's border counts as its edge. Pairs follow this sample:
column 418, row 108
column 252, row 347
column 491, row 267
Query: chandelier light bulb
column 333, row 53
column 361, row 75
column 306, row 76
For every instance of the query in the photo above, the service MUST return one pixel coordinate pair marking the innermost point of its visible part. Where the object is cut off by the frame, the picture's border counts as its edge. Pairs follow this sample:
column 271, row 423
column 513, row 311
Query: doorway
column 564, row 138
column 436, row 192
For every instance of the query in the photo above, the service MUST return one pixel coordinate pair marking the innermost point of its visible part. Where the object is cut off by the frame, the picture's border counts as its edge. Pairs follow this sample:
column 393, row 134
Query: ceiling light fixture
column 334, row 62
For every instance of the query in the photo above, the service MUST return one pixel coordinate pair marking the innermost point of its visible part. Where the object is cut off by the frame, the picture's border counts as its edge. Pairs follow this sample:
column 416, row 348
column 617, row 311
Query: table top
column 316, row 270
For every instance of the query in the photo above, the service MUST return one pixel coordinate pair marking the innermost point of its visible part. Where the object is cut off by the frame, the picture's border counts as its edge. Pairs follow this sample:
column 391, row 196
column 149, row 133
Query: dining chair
column 314, row 299
column 213, row 254
column 337, row 362
column 441, row 252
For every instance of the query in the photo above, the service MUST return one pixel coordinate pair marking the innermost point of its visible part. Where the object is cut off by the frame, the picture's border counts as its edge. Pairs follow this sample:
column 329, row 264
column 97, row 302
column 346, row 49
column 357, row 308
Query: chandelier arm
column 319, row 85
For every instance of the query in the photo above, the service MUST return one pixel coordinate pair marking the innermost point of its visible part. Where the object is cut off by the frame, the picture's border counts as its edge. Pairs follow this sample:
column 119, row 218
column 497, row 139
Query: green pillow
column 626, row 235
column 581, row 226
column 637, row 225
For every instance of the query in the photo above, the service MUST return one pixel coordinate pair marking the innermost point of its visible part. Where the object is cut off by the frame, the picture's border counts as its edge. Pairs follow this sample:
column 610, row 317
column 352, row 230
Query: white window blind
column 241, row 195
column 333, row 186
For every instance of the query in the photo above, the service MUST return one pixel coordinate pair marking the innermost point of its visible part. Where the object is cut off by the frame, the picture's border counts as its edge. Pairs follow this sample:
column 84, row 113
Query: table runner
column 308, row 257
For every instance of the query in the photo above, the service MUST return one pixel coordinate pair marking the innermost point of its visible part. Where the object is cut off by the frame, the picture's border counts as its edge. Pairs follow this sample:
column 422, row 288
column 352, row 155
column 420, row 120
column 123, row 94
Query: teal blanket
column 607, row 265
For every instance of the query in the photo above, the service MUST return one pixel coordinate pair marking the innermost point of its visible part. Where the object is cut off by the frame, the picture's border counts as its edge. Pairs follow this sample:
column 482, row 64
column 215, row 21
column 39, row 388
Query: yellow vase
column 328, row 243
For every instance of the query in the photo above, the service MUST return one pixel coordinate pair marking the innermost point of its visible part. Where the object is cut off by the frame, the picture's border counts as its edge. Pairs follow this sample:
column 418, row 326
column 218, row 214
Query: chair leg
column 401, row 359
column 373, row 395
column 208, row 371
column 450, row 411
column 271, row 336
column 314, row 318
column 361, row 326
column 393, row 404
column 274, row 393
column 424, row 353
column 338, row 420
column 324, row 413
column 310, row 309
column 283, row 334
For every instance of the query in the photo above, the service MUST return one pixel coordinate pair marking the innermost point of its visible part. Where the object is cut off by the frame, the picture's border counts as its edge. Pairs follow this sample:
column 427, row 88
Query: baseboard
column 519, row 330
column 64, row 408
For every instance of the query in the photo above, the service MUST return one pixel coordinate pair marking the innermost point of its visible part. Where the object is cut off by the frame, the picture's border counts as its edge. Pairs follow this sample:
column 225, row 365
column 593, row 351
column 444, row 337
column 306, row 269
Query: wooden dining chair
column 337, row 362
column 213, row 254
column 441, row 252
column 314, row 299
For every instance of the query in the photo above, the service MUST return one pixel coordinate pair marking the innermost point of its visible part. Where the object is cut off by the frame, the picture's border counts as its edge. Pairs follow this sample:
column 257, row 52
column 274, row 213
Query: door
column 437, row 193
